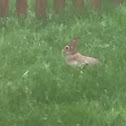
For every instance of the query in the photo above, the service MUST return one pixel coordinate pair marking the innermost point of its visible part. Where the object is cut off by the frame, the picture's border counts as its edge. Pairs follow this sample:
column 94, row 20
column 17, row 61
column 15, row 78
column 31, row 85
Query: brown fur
column 73, row 57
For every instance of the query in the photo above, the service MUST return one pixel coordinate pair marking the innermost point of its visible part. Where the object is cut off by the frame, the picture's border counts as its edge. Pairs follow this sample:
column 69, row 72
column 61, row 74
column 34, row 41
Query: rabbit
column 74, row 58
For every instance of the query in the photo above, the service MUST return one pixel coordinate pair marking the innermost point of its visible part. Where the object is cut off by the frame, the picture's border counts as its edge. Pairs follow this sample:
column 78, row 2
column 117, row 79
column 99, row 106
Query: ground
column 38, row 88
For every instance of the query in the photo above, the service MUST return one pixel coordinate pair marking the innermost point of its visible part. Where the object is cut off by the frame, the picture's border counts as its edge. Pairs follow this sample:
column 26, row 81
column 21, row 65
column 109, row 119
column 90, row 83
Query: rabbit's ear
column 75, row 39
column 74, row 42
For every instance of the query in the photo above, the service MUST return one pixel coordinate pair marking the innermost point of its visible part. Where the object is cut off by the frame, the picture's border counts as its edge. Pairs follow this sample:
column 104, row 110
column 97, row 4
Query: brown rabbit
column 74, row 58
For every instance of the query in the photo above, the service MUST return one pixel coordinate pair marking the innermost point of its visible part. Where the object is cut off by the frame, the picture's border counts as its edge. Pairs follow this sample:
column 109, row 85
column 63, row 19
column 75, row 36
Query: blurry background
column 38, row 88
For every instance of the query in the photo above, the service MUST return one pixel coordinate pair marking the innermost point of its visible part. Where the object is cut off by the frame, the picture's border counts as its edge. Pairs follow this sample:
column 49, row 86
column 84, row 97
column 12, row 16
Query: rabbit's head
column 70, row 49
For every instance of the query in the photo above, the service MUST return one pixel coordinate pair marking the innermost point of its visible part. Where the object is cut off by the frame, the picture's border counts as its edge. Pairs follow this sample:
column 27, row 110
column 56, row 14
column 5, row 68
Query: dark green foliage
column 38, row 88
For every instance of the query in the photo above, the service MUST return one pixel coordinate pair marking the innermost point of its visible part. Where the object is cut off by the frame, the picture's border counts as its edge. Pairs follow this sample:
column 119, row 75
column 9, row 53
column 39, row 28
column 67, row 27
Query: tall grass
column 37, row 87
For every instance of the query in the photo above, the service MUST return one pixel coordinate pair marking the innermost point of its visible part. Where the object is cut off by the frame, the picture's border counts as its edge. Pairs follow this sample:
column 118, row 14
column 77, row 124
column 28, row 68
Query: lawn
column 37, row 87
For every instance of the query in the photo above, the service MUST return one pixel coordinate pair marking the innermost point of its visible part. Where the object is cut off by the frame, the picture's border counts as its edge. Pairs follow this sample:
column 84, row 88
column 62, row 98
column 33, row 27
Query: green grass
column 37, row 87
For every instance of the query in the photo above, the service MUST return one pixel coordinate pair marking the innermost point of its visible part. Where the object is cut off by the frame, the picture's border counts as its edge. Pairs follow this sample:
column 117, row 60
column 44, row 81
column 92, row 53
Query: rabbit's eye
column 67, row 47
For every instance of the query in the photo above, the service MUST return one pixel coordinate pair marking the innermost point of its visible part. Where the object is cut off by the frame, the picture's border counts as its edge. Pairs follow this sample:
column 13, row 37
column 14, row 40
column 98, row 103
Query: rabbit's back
column 79, row 60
